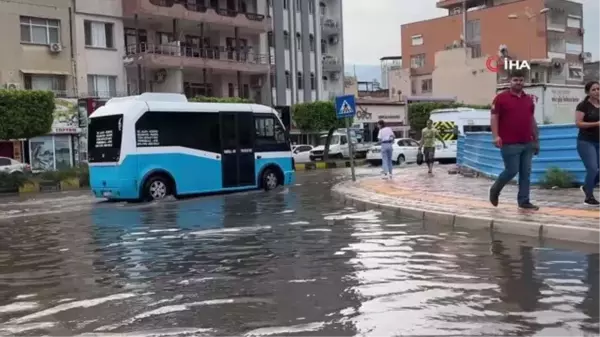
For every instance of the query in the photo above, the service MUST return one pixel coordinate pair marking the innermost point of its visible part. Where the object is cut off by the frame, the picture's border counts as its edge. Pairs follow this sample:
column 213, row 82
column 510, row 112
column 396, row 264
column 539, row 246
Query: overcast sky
column 372, row 28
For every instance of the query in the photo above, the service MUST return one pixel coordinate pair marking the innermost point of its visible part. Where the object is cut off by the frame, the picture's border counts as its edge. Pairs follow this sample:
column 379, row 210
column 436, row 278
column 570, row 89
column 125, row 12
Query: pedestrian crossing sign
column 345, row 106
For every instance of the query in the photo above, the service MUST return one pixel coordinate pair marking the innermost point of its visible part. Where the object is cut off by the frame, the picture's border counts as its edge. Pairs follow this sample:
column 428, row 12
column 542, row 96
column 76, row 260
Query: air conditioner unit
column 335, row 76
column 12, row 86
column 55, row 47
column 456, row 10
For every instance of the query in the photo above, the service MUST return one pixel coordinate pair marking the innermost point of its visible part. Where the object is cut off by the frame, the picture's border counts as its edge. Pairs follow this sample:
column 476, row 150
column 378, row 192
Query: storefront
column 12, row 149
column 57, row 150
column 392, row 113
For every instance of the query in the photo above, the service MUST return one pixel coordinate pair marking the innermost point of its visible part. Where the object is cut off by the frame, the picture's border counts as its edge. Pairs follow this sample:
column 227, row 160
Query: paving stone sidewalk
column 413, row 188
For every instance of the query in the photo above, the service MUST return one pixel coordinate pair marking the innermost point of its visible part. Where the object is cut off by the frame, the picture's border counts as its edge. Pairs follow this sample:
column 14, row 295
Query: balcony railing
column 191, row 56
column 196, row 7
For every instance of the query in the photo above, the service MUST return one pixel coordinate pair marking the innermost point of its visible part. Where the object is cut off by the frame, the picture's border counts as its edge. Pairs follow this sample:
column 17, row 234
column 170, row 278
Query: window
column 131, row 40
column 164, row 38
column 322, row 8
column 311, row 7
column 285, row 4
column 102, row 86
column 270, row 39
column 573, row 22
column 556, row 42
column 299, row 41
column 313, row 83
column 311, row 42
column 323, row 46
column 288, row 80
column 473, row 31
column 573, row 48
column 300, row 81
column 413, row 87
column 286, row 40
column 56, row 84
column 575, row 74
column 246, row 91
column 475, row 50
column 556, row 18
column 269, row 131
column 39, row 31
column 417, row 61
column 417, row 40
column 104, row 138
column 231, row 91
column 198, row 131
column 299, row 5
column 98, row 34
column 427, row 85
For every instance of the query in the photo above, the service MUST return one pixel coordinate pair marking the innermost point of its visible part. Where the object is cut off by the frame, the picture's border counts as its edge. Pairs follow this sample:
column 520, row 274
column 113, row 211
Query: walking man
column 427, row 143
column 386, row 138
column 515, row 133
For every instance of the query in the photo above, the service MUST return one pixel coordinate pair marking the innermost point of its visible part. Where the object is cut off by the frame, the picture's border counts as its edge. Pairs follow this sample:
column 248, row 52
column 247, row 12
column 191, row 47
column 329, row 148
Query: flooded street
column 291, row 262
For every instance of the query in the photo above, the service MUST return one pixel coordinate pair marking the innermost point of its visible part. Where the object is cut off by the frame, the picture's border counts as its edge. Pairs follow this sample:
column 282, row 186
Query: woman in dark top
column 588, row 121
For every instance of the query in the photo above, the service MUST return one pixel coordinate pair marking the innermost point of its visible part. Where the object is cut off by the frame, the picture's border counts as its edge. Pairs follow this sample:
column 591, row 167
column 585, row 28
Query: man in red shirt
column 515, row 133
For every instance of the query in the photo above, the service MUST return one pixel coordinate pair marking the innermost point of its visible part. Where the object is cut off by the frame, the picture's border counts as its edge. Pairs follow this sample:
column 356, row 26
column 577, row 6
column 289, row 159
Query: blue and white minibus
column 150, row 146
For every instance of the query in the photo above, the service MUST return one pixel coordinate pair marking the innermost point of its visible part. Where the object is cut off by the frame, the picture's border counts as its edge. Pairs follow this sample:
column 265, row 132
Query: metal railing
column 211, row 53
column 196, row 7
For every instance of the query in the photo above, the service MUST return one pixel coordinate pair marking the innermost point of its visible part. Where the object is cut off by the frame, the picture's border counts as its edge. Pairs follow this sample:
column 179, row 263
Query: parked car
column 9, row 165
column 338, row 147
column 301, row 153
column 404, row 151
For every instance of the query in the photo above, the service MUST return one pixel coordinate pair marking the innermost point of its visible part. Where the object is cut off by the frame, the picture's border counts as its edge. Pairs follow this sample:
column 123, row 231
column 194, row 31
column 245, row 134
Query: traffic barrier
column 326, row 165
column 558, row 148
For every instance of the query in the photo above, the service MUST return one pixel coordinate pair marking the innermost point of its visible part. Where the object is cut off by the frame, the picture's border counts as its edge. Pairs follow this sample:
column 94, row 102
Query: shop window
column 52, row 152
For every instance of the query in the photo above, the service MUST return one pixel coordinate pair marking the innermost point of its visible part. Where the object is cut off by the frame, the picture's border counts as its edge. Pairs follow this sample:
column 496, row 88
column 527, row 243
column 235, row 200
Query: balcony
column 330, row 27
column 181, row 9
column 449, row 4
column 217, row 58
column 331, row 64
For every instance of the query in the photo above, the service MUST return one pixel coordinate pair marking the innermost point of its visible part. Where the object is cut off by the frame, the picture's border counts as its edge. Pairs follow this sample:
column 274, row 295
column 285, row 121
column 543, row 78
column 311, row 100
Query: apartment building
column 99, row 48
column 307, row 45
column 200, row 48
column 547, row 32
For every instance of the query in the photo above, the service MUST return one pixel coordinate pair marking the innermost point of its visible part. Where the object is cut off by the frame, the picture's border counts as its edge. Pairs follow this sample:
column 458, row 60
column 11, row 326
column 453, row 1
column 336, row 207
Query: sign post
column 345, row 108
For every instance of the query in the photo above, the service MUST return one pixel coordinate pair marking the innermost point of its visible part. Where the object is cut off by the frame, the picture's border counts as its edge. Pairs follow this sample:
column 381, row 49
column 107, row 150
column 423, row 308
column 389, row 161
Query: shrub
column 220, row 99
column 25, row 113
column 555, row 177
column 12, row 180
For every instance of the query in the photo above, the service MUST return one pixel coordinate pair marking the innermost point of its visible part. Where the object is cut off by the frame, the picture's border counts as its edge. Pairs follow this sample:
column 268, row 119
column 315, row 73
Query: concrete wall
column 465, row 78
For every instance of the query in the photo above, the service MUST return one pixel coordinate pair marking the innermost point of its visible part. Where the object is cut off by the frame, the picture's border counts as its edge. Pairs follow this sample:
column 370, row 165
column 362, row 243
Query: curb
column 325, row 165
column 531, row 229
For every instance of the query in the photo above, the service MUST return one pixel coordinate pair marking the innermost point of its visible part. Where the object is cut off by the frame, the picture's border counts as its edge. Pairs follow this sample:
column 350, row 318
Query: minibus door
column 237, row 144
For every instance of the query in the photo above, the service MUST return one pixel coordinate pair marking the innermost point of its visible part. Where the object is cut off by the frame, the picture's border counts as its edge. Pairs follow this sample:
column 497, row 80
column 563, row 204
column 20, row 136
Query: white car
column 301, row 153
column 404, row 151
column 9, row 165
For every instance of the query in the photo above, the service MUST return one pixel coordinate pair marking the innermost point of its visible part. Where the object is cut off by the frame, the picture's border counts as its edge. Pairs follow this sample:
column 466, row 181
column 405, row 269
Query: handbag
column 420, row 158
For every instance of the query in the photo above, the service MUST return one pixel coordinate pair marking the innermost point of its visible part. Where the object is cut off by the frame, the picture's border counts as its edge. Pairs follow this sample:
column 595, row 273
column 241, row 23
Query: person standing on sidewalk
column 427, row 143
column 386, row 138
column 587, row 119
column 515, row 133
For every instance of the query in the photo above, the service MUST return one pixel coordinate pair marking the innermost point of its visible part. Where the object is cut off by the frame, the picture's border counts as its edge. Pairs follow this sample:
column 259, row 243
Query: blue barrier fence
column 558, row 148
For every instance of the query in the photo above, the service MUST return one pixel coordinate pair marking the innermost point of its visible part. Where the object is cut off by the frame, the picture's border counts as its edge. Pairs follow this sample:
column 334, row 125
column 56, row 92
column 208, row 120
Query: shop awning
column 45, row 72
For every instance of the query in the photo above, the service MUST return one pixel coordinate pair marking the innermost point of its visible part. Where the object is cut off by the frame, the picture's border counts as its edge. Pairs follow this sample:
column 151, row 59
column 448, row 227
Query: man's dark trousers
column 517, row 159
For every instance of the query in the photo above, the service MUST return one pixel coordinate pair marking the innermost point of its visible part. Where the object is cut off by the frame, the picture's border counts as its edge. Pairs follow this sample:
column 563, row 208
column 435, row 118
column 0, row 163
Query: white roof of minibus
column 132, row 107
column 455, row 114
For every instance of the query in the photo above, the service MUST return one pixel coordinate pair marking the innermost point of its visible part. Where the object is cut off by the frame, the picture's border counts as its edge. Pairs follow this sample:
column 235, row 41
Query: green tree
column 317, row 116
column 418, row 113
column 220, row 99
column 25, row 113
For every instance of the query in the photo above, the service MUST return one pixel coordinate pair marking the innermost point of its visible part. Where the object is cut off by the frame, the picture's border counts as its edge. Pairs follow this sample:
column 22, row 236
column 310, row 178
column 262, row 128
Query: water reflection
column 284, row 263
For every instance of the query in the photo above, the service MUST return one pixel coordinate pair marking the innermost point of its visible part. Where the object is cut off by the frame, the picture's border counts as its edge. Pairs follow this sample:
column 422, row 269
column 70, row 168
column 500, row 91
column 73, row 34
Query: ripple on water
column 284, row 263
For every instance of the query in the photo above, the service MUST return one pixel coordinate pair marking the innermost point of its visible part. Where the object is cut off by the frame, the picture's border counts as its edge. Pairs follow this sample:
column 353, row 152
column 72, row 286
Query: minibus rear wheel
column 157, row 187
column 270, row 179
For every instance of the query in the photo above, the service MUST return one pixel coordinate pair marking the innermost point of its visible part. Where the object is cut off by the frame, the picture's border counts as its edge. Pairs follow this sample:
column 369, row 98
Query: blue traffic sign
column 345, row 106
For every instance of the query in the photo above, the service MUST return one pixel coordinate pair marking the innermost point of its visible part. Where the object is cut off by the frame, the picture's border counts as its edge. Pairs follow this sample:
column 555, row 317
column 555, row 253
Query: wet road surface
column 290, row 262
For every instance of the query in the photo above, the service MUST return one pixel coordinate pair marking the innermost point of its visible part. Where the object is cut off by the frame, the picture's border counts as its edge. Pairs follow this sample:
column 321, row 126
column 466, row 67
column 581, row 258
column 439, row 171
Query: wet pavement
column 290, row 262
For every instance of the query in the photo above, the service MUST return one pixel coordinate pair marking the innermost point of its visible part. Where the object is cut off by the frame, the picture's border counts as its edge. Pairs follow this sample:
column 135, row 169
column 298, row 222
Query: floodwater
column 290, row 262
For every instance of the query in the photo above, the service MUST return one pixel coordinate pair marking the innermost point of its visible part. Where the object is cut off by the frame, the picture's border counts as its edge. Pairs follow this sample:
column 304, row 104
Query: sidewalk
column 459, row 201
